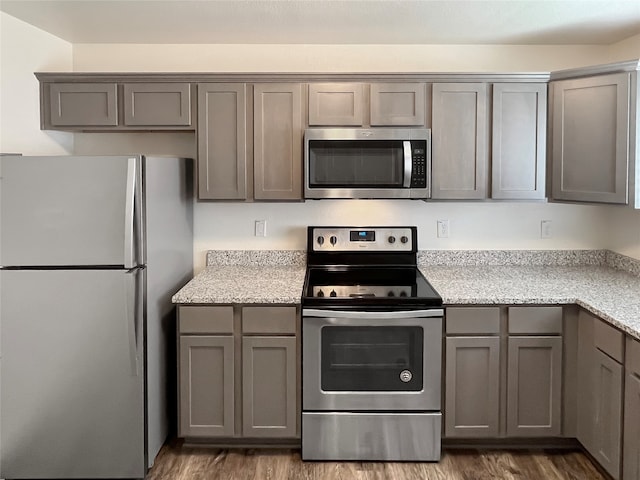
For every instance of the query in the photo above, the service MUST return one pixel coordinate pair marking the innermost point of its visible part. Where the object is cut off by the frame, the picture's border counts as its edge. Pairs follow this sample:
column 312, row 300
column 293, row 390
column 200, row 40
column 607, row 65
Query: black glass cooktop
column 368, row 286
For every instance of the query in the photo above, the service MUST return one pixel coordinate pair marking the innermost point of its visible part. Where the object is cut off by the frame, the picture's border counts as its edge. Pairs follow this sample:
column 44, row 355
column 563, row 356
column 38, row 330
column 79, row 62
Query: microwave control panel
column 419, row 161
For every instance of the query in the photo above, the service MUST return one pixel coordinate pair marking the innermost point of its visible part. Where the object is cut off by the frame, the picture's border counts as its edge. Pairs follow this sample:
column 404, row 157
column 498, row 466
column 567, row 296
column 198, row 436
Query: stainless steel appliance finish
column 91, row 249
column 371, row 350
column 367, row 163
column 375, row 436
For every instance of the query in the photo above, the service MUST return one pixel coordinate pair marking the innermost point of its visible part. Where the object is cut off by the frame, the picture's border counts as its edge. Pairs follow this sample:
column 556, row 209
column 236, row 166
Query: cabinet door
column 631, row 449
column 519, row 140
column 397, row 104
column 222, row 154
column 459, row 141
column 206, row 386
column 472, row 386
column 336, row 104
column 269, row 386
column 277, row 141
column 607, row 401
column 534, row 386
column 591, row 139
column 157, row 104
column 83, row 104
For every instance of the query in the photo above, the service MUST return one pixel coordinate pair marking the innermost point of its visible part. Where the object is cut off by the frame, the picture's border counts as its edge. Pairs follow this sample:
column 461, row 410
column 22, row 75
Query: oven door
column 371, row 360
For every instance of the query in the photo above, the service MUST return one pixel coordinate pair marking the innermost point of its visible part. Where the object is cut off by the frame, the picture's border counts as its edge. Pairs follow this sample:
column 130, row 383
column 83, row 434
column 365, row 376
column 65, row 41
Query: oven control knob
column 403, row 293
column 404, row 239
column 333, row 240
column 391, row 294
column 406, row 376
column 392, row 239
column 320, row 240
column 320, row 293
column 333, row 293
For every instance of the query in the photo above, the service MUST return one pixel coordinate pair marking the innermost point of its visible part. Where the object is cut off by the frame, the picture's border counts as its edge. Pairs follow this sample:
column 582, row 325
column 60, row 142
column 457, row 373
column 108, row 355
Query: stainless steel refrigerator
column 91, row 249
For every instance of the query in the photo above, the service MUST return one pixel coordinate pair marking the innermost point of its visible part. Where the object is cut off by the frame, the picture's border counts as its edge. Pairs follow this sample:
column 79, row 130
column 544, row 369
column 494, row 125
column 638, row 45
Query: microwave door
column 408, row 163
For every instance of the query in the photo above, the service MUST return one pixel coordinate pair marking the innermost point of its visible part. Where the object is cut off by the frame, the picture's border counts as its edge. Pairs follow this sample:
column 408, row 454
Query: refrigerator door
column 58, row 211
column 72, row 383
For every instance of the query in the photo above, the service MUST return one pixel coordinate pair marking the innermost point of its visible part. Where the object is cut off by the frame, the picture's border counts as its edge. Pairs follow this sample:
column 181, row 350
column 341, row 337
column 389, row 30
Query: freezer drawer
column 72, row 384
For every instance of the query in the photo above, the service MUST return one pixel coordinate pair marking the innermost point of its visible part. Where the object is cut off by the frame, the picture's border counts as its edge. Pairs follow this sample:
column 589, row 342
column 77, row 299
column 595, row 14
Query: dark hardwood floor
column 179, row 462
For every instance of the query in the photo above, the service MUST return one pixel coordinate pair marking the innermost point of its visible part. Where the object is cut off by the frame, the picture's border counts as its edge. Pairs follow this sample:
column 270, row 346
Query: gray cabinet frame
column 222, row 141
column 519, row 141
column 459, row 132
column 631, row 445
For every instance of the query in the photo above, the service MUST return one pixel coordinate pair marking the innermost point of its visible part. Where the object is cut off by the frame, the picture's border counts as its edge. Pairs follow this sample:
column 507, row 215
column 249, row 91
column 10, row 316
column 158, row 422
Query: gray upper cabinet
column 222, row 146
column 157, row 104
column 81, row 105
column 591, row 139
column 459, row 141
column 519, row 141
column 336, row 104
column 277, row 141
column 398, row 104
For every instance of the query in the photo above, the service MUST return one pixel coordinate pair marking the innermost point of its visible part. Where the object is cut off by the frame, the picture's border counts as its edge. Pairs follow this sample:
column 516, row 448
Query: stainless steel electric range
column 371, row 348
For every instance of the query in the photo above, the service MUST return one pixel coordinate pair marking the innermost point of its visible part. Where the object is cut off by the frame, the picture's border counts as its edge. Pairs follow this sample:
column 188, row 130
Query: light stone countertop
column 607, row 292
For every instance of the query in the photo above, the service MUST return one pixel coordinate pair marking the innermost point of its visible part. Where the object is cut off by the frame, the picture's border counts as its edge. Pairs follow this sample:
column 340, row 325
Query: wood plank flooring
column 179, row 462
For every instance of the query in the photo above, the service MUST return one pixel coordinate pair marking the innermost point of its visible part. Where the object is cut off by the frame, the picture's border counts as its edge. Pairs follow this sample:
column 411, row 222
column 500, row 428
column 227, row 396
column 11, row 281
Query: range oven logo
column 366, row 133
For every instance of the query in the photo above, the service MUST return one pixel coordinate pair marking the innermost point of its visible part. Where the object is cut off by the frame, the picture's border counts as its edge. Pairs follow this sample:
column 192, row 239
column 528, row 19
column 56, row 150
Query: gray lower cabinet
column 534, row 386
column 631, row 441
column 206, row 386
column 472, row 387
column 269, row 386
column 238, row 372
column 519, row 140
column 222, row 150
column 459, row 132
column 278, row 129
column 590, row 138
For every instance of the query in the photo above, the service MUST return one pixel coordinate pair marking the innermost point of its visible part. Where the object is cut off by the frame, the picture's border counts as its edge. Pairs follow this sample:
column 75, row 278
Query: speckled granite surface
column 603, row 282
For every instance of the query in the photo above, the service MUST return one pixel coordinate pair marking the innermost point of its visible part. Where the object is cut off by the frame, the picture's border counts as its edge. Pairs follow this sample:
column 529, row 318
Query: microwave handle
column 408, row 163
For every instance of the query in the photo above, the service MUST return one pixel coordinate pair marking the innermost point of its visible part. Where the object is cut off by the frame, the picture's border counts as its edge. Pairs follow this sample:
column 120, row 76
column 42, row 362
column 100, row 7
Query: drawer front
column 205, row 320
column 472, row 320
column 269, row 320
column 633, row 356
column 535, row 320
column 608, row 340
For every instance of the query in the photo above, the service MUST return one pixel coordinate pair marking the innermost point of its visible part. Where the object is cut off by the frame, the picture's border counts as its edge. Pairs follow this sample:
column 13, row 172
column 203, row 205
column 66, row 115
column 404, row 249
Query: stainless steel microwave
column 367, row 163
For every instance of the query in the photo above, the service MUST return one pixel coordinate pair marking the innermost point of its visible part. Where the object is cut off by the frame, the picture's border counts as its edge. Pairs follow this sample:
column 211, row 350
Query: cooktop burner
column 365, row 267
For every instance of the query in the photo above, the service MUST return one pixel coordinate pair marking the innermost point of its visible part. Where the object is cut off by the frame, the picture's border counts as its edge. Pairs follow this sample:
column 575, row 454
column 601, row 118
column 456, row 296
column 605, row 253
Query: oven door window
column 356, row 163
column 372, row 359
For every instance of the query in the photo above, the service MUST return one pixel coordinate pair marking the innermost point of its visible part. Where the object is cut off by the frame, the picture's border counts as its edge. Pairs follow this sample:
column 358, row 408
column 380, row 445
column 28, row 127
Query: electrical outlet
column 443, row 228
column 545, row 229
column 261, row 228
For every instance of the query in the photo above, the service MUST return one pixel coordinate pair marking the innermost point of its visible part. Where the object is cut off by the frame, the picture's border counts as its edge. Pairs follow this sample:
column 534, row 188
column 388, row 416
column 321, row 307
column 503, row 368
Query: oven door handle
column 312, row 312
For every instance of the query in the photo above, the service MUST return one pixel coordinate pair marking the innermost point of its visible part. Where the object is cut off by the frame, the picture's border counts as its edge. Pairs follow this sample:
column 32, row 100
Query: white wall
column 628, row 49
column 24, row 50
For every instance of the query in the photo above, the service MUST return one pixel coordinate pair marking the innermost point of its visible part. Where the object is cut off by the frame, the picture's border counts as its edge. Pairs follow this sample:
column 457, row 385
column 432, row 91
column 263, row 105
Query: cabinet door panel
column 206, row 386
column 269, row 386
column 591, row 139
column 519, row 141
column 608, row 413
column 157, row 104
column 336, row 104
column 83, row 104
column 472, row 386
column 459, row 141
column 398, row 104
column 278, row 129
column 534, row 386
column 222, row 155
column 631, row 455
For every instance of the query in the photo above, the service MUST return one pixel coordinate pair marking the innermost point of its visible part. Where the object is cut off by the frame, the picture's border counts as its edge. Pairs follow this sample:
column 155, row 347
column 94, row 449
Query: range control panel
column 355, row 239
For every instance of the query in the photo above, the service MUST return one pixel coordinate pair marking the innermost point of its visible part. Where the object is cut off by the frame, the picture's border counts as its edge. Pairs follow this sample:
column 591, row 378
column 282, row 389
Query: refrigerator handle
column 132, row 319
column 129, row 214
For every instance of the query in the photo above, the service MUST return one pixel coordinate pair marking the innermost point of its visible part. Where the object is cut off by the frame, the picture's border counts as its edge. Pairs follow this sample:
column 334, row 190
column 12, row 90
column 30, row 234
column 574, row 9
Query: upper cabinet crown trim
column 628, row 66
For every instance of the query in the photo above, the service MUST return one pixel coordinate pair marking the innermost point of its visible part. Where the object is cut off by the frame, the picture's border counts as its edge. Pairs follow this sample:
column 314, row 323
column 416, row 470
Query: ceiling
column 598, row 22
